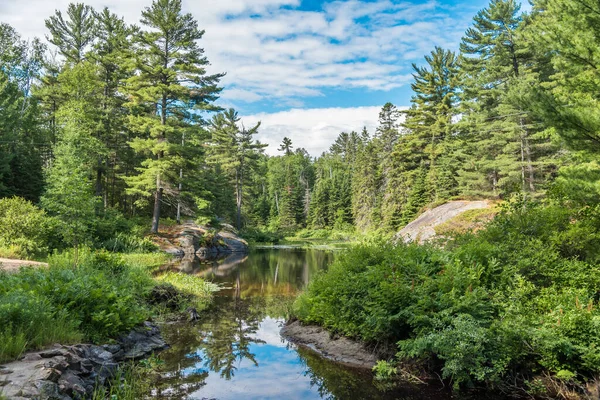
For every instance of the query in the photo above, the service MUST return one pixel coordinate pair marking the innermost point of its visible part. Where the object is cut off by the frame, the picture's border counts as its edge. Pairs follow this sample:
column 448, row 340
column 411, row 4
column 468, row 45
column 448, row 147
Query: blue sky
column 307, row 69
column 322, row 54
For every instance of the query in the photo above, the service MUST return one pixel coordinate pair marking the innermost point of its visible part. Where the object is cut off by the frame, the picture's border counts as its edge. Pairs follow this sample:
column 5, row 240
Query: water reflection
column 236, row 352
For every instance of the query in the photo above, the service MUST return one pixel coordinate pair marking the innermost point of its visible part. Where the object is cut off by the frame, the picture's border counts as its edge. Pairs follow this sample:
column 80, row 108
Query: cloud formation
column 275, row 50
column 280, row 54
column 313, row 129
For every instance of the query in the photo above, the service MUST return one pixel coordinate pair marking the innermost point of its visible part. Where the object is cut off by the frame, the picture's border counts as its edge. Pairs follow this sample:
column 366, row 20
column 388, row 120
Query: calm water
column 236, row 352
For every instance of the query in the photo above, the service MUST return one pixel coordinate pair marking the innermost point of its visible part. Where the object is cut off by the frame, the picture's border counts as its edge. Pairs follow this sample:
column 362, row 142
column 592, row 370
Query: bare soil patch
column 11, row 265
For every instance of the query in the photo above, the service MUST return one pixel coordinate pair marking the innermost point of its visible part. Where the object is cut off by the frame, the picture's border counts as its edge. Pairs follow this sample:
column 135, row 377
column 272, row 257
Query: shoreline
column 337, row 348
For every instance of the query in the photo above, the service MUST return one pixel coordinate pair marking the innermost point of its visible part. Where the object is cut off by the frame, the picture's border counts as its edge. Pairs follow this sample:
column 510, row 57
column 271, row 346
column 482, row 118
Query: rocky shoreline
column 336, row 348
column 72, row 372
column 191, row 240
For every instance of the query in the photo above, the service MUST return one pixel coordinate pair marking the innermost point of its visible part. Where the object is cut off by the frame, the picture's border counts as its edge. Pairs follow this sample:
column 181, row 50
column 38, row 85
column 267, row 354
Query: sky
column 306, row 69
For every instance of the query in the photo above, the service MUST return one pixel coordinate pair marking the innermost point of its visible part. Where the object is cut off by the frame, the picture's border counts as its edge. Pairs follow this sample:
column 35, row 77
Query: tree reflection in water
column 261, row 285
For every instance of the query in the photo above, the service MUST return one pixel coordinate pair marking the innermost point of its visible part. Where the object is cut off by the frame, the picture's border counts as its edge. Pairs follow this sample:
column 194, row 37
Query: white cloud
column 313, row 129
column 271, row 50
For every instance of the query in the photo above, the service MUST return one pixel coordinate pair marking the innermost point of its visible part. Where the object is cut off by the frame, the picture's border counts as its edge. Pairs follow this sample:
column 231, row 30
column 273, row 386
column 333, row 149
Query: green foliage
column 25, row 228
column 99, row 298
column 197, row 289
column 513, row 299
column 169, row 89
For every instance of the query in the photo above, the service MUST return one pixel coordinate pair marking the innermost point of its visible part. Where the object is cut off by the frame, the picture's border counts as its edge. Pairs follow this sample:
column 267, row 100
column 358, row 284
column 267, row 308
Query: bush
column 97, row 299
column 496, row 306
column 25, row 229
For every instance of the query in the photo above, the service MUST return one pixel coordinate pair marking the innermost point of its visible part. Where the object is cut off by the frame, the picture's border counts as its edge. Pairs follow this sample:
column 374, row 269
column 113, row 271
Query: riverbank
column 93, row 299
column 511, row 308
column 74, row 372
column 333, row 347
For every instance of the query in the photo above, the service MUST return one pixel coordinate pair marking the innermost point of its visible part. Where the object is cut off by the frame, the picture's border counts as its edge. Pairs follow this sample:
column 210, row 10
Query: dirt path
column 7, row 264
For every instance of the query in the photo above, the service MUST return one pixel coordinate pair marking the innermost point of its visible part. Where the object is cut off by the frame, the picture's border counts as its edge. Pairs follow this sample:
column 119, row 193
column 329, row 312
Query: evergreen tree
column 73, row 35
column 566, row 96
column 21, row 139
column 286, row 146
column 69, row 194
column 497, row 131
column 170, row 86
column 234, row 149
column 111, row 53
column 366, row 188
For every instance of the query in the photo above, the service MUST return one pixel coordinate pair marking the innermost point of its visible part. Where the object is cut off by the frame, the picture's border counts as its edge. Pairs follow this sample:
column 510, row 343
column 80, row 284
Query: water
column 236, row 352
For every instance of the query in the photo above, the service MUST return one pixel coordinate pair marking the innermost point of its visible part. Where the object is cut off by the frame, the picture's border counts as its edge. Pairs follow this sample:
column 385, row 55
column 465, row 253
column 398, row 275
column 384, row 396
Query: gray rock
column 71, row 372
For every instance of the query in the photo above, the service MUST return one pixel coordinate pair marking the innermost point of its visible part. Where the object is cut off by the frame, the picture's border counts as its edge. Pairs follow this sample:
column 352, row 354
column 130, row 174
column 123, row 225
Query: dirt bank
column 339, row 349
column 7, row 264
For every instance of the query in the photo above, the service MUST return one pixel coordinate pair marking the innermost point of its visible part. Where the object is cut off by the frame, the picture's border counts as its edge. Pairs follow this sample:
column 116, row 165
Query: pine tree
column 73, row 35
column 236, row 151
column 366, row 188
column 429, row 122
column 498, row 132
column 286, row 146
column 111, row 53
column 69, row 194
column 21, row 137
column 170, row 86
column 566, row 96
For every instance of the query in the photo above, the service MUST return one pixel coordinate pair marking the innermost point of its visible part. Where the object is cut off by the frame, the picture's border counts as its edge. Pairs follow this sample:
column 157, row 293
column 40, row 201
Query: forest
column 123, row 119
column 110, row 130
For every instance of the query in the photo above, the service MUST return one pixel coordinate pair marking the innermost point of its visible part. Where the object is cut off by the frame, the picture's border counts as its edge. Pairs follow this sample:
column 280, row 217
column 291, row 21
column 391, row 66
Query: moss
column 470, row 220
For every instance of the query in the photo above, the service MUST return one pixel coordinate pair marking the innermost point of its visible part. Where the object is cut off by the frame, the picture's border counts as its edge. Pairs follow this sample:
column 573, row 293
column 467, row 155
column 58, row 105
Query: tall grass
column 127, row 384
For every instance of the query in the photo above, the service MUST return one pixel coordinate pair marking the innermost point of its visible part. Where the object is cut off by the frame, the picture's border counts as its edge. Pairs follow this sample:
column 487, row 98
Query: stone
column 71, row 372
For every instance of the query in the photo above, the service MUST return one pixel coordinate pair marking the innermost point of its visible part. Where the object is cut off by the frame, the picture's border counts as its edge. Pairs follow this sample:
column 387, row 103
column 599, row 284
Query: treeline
column 122, row 118
column 498, row 118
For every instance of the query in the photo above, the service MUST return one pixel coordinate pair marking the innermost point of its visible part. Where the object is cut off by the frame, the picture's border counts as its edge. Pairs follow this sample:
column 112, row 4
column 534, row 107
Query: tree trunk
column 159, row 189
column 238, row 200
column 522, row 161
column 530, row 168
column 157, row 200
column 180, row 184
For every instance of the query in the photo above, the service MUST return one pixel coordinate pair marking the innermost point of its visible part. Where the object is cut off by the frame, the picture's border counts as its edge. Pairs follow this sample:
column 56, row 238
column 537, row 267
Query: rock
column 422, row 229
column 340, row 349
column 71, row 372
column 190, row 239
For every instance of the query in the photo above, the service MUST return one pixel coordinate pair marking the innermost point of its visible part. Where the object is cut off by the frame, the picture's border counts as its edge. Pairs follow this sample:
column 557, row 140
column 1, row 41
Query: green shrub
column 516, row 298
column 25, row 229
column 97, row 299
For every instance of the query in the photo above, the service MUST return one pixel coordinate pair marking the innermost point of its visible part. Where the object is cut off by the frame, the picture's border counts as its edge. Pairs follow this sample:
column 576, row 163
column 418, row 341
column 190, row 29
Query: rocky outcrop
column 339, row 349
column 72, row 372
column 422, row 229
column 191, row 240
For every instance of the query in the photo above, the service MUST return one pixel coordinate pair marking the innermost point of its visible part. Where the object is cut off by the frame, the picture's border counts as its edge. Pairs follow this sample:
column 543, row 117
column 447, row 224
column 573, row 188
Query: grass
column 127, row 384
column 197, row 290
column 470, row 220
column 150, row 261
column 14, row 342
